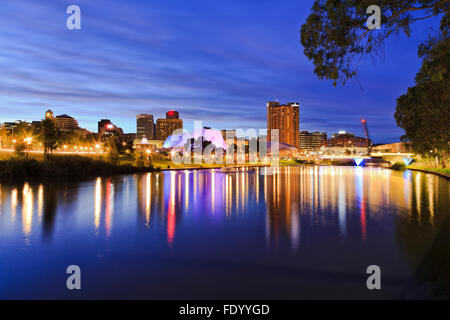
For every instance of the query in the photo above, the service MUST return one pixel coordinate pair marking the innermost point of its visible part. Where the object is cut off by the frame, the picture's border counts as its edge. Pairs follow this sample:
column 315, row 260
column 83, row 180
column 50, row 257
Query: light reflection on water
column 294, row 211
column 312, row 191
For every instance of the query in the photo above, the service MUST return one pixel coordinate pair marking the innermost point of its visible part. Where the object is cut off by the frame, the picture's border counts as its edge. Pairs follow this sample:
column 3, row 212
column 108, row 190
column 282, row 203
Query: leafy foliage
column 48, row 135
column 424, row 111
column 19, row 149
column 335, row 35
column 73, row 138
column 113, row 149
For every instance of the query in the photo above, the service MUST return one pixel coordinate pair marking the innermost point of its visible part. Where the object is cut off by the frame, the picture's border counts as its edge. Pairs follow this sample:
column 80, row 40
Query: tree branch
column 418, row 8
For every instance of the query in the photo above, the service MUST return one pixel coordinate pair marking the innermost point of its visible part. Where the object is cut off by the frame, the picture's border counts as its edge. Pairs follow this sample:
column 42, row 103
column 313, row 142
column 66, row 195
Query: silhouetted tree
column 424, row 111
column 335, row 35
column 113, row 146
column 48, row 135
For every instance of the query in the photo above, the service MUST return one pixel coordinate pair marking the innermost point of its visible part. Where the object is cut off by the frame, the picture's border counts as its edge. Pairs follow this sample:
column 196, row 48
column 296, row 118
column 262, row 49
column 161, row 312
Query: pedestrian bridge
column 359, row 160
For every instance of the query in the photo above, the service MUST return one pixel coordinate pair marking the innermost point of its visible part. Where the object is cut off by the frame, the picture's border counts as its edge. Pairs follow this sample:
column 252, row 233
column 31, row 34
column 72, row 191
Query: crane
column 366, row 133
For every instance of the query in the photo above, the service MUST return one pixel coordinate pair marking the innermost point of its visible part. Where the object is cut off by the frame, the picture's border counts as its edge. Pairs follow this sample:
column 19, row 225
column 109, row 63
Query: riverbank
column 169, row 165
column 65, row 166
column 445, row 173
column 442, row 172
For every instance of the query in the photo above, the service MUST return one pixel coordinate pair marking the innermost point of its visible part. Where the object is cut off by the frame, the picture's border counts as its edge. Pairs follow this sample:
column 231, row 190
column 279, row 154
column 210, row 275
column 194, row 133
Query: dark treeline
column 65, row 166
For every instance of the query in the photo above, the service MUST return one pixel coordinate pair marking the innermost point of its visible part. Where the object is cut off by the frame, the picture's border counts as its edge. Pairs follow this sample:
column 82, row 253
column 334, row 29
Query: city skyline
column 115, row 68
column 69, row 123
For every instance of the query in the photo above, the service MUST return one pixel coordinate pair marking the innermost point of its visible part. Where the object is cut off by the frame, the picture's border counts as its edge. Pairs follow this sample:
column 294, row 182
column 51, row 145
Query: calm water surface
column 306, row 232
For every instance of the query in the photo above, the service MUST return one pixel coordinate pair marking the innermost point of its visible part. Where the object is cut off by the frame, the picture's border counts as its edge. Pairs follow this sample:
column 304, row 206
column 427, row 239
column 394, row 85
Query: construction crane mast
column 366, row 133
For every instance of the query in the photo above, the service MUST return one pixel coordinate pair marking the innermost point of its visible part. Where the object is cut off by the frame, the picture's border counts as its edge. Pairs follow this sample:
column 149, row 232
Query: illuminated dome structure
column 49, row 114
column 212, row 135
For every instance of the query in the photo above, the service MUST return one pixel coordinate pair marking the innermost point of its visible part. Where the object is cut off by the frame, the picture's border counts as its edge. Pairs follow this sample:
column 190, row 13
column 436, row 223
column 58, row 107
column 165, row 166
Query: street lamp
column 147, row 159
column 28, row 140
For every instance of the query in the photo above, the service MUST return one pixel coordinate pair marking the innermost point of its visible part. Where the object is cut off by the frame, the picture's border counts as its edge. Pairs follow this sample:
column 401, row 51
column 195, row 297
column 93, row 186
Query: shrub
column 64, row 166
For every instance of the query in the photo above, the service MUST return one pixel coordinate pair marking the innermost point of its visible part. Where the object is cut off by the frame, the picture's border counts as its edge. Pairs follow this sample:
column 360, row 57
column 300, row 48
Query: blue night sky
column 215, row 61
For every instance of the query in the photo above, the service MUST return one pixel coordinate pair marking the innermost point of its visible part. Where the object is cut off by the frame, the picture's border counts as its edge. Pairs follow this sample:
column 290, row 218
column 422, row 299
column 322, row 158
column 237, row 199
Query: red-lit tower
column 172, row 114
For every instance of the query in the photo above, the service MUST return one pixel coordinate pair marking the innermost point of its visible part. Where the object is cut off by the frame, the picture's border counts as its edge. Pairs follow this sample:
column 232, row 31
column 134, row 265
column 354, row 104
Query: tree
column 3, row 136
column 70, row 138
column 138, row 158
column 48, row 135
column 19, row 149
column 335, row 35
column 424, row 111
column 112, row 146
column 19, row 132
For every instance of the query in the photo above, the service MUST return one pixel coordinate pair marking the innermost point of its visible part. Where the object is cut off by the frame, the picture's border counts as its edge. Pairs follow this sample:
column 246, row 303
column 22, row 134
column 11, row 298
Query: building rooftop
column 64, row 116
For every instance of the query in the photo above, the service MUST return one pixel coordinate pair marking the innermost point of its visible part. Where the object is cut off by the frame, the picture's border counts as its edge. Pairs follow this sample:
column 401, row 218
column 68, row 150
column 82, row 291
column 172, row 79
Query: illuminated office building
column 106, row 127
column 145, row 127
column 285, row 118
column 165, row 127
column 312, row 140
column 66, row 123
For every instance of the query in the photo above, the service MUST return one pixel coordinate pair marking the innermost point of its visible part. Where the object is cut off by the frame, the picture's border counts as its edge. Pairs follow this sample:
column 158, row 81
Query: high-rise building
column 172, row 114
column 103, row 124
column 312, row 140
column 286, row 119
column 66, row 123
column 106, row 127
column 165, row 127
column 145, row 127
column 229, row 134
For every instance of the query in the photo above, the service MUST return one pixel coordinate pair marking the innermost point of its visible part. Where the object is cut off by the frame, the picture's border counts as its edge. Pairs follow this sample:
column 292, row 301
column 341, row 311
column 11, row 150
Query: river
column 304, row 232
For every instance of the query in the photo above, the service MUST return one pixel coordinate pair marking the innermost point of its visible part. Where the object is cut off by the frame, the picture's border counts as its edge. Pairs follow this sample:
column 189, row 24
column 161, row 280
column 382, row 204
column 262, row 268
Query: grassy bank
column 64, row 166
column 441, row 171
